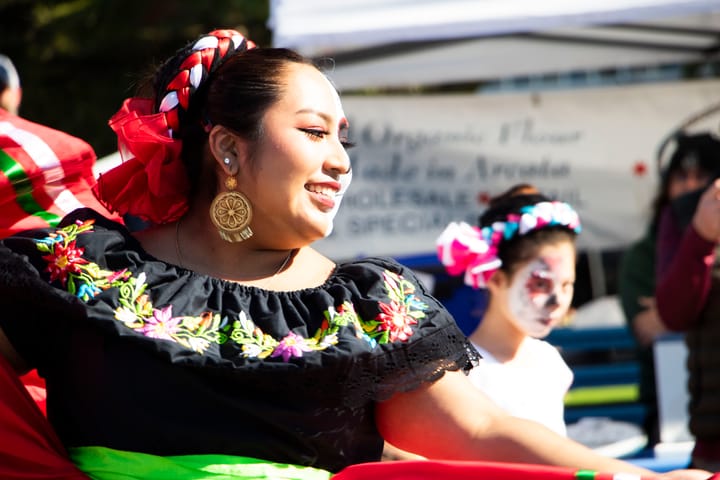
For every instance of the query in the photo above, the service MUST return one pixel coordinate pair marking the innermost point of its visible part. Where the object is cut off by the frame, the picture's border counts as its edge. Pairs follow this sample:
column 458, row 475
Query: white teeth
column 327, row 191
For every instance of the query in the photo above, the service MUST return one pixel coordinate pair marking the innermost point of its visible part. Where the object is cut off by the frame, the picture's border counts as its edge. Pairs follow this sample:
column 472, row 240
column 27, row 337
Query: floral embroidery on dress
column 65, row 263
column 392, row 323
column 136, row 311
column 256, row 343
column 404, row 309
column 86, row 279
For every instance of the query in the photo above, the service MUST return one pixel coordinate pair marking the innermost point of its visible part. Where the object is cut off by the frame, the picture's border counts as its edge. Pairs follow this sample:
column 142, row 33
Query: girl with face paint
column 528, row 269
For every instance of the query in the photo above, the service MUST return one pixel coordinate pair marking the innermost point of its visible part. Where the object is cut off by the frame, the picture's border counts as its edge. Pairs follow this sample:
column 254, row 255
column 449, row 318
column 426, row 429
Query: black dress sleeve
column 425, row 339
column 34, row 314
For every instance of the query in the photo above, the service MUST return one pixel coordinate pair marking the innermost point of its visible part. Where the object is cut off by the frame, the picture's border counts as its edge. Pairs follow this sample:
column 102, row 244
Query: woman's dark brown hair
column 236, row 94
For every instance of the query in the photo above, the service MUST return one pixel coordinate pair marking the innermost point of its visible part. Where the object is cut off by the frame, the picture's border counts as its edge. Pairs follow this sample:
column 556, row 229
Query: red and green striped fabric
column 44, row 175
column 107, row 464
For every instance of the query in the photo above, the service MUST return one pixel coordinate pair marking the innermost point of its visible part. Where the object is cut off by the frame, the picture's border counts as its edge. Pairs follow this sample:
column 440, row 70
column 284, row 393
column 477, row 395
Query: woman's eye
column 317, row 134
column 314, row 133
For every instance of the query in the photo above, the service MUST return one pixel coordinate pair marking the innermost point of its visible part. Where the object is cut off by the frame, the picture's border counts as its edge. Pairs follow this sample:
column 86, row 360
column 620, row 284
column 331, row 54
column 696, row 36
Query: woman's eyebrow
column 325, row 116
column 343, row 124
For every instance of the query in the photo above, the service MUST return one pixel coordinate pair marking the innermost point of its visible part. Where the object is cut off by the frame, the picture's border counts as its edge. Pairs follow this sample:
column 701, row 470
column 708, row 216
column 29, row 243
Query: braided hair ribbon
column 151, row 182
column 463, row 248
column 204, row 58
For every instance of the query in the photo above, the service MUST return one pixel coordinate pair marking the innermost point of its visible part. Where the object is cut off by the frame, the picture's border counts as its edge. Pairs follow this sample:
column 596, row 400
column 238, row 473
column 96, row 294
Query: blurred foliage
column 78, row 59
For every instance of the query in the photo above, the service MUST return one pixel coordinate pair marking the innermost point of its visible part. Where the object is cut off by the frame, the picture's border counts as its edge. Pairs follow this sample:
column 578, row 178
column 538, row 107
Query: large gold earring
column 231, row 213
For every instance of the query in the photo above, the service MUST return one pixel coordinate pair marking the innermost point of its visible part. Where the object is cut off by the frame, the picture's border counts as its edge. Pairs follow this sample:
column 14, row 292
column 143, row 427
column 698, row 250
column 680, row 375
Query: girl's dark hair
column 521, row 248
column 236, row 94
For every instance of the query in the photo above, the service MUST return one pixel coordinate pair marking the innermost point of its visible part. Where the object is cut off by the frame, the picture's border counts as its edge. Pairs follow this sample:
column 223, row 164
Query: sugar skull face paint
column 541, row 291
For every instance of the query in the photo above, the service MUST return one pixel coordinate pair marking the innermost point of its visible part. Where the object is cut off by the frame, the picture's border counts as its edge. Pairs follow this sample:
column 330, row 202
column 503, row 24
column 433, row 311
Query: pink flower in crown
column 458, row 245
column 464, row 248
column 497, row 234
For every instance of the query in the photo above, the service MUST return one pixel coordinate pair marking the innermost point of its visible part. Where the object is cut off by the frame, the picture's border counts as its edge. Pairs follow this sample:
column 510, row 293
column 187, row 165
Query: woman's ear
column 227, row 148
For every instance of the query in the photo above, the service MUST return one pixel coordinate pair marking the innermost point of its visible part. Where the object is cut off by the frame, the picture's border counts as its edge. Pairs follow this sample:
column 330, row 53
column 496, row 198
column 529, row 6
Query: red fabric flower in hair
column 151, row 183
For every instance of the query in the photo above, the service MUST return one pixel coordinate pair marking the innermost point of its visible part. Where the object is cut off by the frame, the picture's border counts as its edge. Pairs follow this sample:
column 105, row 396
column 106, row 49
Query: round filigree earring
column 231, row 212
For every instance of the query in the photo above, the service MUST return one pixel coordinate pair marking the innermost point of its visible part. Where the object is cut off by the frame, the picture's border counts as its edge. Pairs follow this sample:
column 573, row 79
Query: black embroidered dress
column 145, row 356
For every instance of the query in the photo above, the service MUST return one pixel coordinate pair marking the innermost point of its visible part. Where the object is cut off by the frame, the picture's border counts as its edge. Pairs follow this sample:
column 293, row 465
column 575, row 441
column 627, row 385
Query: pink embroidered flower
column 121, row 274
column 161, row 324
column 64, row 260
column 396, row 320
column 292, row 345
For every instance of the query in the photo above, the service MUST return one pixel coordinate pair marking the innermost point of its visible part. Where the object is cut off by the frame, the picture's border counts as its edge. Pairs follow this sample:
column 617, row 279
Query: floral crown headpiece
column 473, row 250
column 151, row 182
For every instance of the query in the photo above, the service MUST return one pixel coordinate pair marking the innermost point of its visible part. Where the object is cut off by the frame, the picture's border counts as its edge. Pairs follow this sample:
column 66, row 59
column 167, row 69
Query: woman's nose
column 338, row 160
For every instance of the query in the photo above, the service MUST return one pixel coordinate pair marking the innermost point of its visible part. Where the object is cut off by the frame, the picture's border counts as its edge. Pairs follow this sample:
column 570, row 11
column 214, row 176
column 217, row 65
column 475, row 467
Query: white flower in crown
column 545, row 211
column 497, row 227
column 566, row 215
column 527, row 223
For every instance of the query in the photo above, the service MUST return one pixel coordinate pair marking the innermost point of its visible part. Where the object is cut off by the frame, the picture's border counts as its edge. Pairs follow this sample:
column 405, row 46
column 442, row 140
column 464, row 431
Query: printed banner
column 423, row 161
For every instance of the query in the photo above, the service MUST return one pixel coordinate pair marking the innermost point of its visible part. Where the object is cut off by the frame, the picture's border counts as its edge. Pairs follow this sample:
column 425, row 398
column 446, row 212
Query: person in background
column 636, row 277
column 688, row 292
column 218, row 343
column 44, row 175
column 523, row 253
column 10, row 90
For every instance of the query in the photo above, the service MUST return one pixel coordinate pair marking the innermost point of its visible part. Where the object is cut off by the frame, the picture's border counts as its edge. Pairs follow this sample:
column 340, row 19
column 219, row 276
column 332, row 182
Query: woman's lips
column 323, row 194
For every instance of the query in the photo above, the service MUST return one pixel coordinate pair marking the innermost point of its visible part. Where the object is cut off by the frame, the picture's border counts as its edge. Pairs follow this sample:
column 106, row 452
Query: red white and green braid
column 204, row 57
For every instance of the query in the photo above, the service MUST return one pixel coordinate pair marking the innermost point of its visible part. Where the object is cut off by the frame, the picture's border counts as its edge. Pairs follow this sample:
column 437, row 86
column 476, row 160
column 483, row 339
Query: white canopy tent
column 401, row 43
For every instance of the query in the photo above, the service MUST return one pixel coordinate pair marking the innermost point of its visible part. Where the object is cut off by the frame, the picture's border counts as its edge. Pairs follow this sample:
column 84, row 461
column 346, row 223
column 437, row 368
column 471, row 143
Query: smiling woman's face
column 540, row 292
column 299, row 159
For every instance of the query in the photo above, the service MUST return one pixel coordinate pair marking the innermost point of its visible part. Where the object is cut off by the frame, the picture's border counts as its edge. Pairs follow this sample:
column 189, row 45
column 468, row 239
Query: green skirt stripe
column 101, row 463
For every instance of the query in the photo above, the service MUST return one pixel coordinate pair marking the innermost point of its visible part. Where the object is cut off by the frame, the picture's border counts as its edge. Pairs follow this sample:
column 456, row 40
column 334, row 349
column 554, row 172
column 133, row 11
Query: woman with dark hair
column 217, row 343
column 636, row 277
column 688, row 292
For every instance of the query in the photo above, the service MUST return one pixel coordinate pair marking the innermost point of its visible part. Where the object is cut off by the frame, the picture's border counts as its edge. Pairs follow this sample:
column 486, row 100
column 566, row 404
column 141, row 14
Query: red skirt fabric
column 456, row 470
column 29, row 448
column 35, row 385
